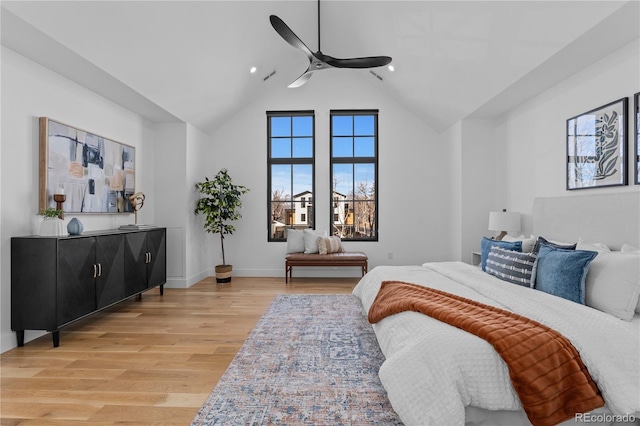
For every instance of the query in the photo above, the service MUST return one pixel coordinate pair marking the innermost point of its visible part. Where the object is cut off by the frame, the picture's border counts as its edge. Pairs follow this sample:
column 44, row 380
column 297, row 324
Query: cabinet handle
column 95, row 270
column 99, row 269
column 149, row 257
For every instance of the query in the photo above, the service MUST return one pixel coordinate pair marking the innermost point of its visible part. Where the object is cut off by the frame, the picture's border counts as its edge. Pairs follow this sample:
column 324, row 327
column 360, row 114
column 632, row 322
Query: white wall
column 533, row 135
column 199, row 250
column 28, row 92
column 413, row 188
column 481, row 185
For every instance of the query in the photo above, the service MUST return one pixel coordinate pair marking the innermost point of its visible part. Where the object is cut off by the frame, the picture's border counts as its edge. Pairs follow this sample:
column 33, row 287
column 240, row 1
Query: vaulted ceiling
column 190, row 60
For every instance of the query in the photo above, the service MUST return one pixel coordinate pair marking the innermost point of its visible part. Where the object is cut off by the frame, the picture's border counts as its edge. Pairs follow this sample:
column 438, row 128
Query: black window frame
column 355, row 160
column 310, row 205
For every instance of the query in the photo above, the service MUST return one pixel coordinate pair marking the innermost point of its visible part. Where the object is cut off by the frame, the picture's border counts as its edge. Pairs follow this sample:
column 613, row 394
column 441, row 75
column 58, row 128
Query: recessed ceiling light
column 391, row 68
column 253, row 70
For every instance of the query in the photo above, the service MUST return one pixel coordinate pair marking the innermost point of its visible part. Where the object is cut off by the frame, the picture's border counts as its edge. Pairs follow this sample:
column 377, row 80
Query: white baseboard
column 178, row 282
column 9, row 341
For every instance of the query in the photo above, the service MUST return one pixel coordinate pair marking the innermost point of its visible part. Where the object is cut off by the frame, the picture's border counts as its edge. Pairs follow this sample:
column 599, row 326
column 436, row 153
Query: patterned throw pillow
column 328, row 245
column 487, row 243
column 511, row 266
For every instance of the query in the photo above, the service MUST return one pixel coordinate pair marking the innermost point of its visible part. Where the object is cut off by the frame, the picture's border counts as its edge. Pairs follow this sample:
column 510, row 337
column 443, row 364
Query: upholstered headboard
column 612, row 218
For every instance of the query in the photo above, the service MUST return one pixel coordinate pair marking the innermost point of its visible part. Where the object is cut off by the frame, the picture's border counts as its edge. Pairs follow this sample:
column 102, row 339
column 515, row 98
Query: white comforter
column 433, row 371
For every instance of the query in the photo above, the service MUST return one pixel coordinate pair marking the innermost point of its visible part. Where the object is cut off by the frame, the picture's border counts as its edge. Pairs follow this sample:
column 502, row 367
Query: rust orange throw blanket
column 546, row 370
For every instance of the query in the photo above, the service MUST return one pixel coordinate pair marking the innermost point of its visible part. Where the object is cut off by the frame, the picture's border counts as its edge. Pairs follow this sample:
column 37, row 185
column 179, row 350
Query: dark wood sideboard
column 58, row 280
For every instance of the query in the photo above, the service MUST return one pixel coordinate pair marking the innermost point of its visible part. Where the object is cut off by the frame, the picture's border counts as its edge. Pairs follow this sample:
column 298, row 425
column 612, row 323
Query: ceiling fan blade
column 302, row 79
column 289, row 36
column 368, row 62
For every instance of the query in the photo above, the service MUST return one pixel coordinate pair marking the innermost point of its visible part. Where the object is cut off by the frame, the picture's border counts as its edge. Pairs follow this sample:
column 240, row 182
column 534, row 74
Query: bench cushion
column 334, row 258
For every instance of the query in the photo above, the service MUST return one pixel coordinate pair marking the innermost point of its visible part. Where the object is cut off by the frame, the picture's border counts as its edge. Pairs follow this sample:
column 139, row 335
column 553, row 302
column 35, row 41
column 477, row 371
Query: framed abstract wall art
column 597, row 147
column 93, row 173
column 636, row 151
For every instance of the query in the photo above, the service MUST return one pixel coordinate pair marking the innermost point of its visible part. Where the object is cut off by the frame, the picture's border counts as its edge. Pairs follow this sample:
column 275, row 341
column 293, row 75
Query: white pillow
column 626, row 248
column 295, row 240
column 613, row 284
column 599, row 247
column 310, row 241
column 328, row 245
column 527, row 243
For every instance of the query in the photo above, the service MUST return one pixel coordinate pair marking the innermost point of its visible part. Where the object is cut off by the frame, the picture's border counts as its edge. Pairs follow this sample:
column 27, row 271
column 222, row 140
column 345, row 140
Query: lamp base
column 500, row 236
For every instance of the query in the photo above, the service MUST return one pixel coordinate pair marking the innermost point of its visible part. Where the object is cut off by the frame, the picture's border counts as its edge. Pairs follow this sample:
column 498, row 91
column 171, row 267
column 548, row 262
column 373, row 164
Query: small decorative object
column 137, row 201
column 596, row 147
column 636, row 154
column 219, row 206
column 75, row 227
column 98, row 173
column 59, row 198
column 51, row 225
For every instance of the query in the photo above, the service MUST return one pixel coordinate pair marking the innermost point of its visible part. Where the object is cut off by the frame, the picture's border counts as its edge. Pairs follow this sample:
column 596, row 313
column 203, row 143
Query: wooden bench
column 334, row 259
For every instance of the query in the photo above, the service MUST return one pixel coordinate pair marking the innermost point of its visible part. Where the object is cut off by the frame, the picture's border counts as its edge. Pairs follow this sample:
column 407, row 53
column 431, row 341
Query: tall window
column 290, row 164
column 354, row 174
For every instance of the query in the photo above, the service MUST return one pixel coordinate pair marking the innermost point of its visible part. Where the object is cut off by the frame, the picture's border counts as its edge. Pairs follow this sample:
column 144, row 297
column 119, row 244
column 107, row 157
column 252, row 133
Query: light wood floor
column 148, row 361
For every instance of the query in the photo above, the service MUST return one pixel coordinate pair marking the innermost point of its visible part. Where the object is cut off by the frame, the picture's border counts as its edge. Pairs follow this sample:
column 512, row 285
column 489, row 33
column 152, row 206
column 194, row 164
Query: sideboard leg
column 161, row 289
column 55, row 335
column 20, row 336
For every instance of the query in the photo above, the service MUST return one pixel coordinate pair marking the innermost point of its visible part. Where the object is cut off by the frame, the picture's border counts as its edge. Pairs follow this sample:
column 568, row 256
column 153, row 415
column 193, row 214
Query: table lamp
column 504, row 221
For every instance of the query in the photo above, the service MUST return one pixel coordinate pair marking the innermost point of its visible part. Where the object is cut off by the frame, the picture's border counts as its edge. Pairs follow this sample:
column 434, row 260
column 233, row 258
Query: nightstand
column 476, row 258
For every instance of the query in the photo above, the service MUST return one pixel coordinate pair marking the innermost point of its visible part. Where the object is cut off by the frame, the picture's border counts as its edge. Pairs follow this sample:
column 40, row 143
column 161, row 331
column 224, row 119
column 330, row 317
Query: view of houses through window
column 354, row 169
column 291, row 171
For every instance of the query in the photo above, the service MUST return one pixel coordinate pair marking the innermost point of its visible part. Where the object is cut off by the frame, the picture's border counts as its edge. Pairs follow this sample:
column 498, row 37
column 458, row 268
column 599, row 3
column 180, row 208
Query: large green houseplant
column 220, row 206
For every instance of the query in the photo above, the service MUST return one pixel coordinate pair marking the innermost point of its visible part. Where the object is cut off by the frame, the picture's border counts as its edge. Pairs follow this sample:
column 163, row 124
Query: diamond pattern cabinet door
column 110, row 280
column 157, row 266
column 135, row 265
column 76, row 295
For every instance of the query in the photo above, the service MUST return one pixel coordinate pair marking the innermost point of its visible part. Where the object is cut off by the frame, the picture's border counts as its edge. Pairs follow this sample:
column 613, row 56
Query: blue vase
column 75, row 227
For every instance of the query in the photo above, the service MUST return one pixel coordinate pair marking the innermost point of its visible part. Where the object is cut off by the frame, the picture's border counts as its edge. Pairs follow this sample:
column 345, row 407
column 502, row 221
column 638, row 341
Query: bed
column 436, row 374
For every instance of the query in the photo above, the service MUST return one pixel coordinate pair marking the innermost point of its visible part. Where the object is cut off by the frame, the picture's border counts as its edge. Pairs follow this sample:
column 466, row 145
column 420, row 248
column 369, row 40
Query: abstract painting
column 95, row 174
column 596, row 147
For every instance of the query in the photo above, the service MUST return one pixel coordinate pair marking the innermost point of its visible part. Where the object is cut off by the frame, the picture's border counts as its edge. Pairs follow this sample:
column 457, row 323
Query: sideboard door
column 76, row 295
column 157, row 264
column 110, row 280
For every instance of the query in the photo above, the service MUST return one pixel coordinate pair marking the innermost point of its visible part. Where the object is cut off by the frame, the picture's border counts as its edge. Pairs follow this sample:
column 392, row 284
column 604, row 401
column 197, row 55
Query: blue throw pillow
column 542, row 241
column 487, row 243
column 562, row 272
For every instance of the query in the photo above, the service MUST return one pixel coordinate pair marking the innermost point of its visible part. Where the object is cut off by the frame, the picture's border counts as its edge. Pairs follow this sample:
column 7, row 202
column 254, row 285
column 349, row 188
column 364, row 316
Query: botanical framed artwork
column 597, row 147
column 93, row 173
column 636, row 151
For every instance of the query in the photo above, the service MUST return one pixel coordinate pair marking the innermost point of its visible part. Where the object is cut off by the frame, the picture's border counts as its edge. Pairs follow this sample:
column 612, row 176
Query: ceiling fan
column 318, row 60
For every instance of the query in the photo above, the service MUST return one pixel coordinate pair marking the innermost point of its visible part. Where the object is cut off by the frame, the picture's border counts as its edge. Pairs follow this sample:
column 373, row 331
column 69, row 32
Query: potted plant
column 52, row 225
column 220, row 206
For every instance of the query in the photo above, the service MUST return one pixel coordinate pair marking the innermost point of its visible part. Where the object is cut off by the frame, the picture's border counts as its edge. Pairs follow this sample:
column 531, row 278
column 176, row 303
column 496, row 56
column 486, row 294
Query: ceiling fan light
column 253, row 70
column 391, row 68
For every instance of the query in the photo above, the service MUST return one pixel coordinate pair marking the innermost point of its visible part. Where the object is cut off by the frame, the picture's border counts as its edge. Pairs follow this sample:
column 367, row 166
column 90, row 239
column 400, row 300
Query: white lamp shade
column 504, row 221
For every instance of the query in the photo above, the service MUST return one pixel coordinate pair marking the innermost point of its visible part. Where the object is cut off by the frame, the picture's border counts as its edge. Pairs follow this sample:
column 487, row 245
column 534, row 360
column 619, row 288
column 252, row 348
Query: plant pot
column 223, row 273
column 52, row 227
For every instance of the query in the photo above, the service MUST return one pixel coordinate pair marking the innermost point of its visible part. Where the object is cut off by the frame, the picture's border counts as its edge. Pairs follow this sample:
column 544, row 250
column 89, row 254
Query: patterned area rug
column 312, row 360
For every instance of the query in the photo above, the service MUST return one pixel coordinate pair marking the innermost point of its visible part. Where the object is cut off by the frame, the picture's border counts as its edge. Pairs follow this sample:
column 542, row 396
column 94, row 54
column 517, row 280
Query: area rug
column 312, row 360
